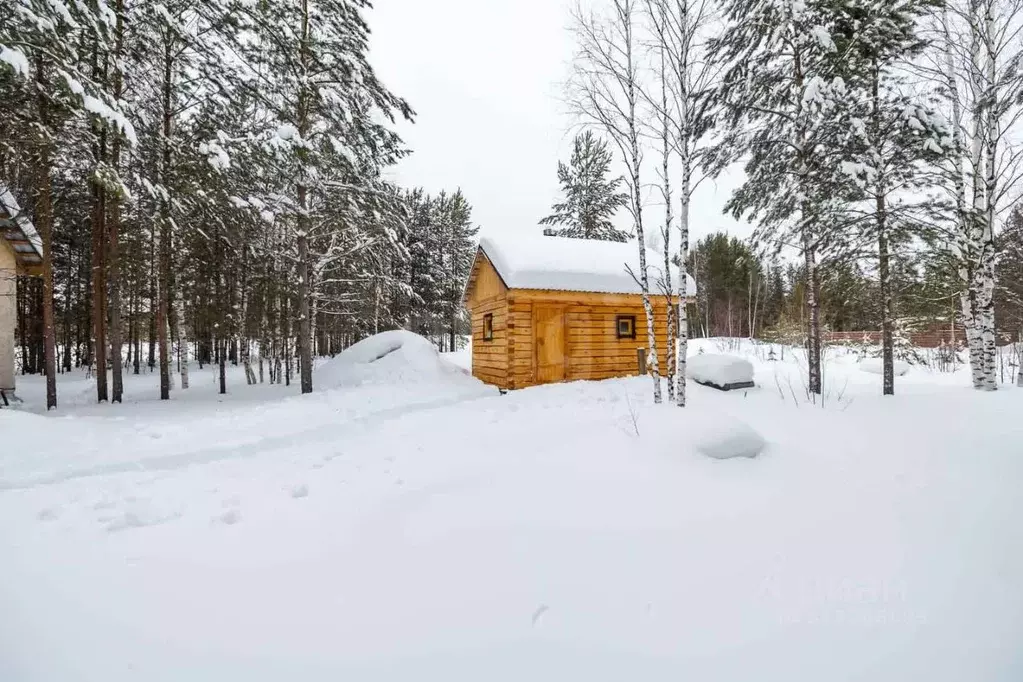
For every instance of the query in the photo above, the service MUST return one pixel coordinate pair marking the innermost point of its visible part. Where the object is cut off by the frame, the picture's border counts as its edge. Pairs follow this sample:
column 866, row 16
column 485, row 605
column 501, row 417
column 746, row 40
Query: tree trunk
column 99, row 294
column 887, row 307
column 683, row 291
column 163, row 280
column 68, row 307
column 222, row 363
column 884, row 264
column 813, row 346
column 114, row 268
column 138, row 334
column 304, row 323
column 671, row 348
column 44, row 219
column 637, row 210
column 153, row 296
column 304, row 351
column 182, row 343
column 988, row 252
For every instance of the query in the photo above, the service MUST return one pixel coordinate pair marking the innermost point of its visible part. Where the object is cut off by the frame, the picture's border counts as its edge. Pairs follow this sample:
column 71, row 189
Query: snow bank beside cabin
column 393, row 358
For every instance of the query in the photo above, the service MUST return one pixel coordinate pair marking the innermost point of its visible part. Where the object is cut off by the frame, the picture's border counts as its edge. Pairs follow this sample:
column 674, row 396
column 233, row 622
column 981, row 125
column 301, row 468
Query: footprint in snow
column 230, row 517
column 301, row 490
column 48, row 514
column 539, row 614
column 137, row 518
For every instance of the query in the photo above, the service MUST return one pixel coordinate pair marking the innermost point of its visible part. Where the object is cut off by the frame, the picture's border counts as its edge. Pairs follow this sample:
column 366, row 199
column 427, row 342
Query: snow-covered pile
column 723, row 437
column 565, row 264
column 396, row 357
column 875, row 366
column 720, row 370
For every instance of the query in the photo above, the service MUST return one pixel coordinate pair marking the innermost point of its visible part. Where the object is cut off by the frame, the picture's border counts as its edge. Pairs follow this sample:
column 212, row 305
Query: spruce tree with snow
column 591, row 198
column 897, row 143
column 782, row 111
column 459, row 247
column 1009, row 291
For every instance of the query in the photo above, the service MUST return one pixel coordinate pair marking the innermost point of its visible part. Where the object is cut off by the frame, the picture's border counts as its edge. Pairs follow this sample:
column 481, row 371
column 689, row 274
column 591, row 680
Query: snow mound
column 720, row 370
column 394, row 357
column 725, row 438
column 875, row 366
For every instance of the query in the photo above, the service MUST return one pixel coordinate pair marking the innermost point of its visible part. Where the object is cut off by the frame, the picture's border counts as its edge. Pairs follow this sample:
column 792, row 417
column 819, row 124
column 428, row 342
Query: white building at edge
column 21, row 253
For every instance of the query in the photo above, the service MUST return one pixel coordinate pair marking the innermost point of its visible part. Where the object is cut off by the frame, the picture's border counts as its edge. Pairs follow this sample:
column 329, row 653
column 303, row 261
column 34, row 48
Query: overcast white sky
column 484, row 78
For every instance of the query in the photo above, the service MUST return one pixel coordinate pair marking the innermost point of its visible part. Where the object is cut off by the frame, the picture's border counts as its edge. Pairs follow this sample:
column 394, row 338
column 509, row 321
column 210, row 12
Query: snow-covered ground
column 412, row 524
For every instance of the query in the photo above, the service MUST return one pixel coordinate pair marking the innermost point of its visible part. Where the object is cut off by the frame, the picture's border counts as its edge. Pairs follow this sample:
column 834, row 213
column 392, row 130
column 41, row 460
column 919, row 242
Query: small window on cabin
column 625, row 325
column 488, row 327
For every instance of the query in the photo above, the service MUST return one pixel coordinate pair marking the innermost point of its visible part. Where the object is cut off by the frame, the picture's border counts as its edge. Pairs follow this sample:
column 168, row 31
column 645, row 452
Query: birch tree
column 605, row 91
column 976, row 66
column 686, row 79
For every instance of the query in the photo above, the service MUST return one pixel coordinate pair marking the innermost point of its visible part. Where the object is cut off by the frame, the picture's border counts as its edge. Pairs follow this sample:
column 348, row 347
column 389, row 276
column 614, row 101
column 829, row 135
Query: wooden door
column 549, row 330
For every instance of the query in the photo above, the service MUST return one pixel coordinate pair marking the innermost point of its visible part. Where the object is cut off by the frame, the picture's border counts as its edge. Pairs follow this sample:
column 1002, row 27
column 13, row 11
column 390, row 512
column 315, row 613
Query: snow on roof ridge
column 569, row 264
column 10, row 204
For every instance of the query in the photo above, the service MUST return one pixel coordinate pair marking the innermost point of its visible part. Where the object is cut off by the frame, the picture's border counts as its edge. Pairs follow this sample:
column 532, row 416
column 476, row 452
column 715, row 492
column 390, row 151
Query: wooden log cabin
column 549, row 309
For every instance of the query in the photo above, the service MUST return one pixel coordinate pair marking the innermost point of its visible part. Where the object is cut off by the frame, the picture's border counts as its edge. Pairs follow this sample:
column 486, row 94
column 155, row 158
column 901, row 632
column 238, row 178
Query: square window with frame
column 625, row 326
column 488, row 327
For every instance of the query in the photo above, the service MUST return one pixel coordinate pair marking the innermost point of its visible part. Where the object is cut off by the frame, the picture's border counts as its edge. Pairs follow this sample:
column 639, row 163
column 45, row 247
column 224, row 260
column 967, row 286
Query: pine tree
column 782, row 106
column 898, row 139
column 459, row 249
column 1009, row 293
column 591, row 198
column 329, row 136
column 45, row 74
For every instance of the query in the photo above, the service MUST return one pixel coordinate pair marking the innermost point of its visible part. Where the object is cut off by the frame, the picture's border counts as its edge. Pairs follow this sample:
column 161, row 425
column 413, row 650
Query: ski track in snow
column 321, row 434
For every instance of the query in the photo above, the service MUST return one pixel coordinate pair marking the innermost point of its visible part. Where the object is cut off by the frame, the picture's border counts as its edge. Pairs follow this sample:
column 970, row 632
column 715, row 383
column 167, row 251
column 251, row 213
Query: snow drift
column 396, row 357
column 720, row 370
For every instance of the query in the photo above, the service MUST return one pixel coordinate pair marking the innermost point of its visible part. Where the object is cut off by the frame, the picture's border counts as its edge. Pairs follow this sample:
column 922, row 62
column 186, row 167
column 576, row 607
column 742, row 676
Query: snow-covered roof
column 28, row 245
column 565, row 264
